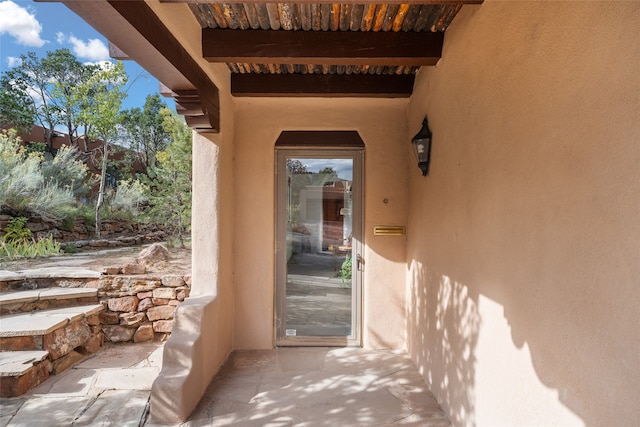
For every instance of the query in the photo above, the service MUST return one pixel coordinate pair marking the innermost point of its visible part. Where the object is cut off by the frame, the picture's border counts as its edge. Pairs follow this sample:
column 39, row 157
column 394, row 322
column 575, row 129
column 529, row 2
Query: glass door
column 318, row 288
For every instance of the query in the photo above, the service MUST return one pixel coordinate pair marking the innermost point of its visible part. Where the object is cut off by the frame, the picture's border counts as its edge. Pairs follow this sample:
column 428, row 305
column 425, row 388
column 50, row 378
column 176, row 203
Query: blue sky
column 27, row 26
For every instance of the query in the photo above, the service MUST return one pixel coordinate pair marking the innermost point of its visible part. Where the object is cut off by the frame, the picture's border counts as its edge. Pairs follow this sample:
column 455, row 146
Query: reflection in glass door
column 318, row 289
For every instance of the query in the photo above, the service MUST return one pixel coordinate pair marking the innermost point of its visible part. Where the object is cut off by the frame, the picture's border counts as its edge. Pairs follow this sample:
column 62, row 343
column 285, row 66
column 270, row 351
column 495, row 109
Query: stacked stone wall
column 113, row 233
column 140, row 308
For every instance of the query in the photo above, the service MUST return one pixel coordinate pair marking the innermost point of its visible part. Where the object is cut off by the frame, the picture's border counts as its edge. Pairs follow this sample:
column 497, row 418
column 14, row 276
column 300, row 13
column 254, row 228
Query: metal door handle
column 359, row 262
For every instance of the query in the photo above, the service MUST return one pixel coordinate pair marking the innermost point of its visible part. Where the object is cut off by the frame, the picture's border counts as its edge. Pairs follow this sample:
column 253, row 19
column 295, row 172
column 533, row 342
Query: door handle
column 359, row 262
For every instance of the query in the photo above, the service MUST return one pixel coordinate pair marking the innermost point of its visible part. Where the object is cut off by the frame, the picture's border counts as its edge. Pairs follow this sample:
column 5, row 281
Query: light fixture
column 422, row 147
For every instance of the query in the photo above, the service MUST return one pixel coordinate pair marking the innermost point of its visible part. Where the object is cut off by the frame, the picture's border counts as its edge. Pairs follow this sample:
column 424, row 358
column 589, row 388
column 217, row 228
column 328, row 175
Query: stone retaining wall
column 113, row 232
column 140, row 308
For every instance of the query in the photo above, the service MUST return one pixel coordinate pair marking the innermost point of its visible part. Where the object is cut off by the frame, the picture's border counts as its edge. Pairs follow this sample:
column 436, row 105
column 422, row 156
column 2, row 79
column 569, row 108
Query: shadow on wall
column 385, row 292
column 449, row 325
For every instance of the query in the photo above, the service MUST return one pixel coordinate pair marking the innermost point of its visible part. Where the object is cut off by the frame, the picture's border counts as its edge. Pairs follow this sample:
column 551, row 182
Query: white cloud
column 104, row 65
column 60, row 37
column 20, row 24
column 93, row 49
column 13, row 61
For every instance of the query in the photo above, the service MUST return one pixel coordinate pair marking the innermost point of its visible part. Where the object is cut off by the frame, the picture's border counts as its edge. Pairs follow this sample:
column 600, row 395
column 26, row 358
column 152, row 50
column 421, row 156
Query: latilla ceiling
column 300, row 49
column 324, row 17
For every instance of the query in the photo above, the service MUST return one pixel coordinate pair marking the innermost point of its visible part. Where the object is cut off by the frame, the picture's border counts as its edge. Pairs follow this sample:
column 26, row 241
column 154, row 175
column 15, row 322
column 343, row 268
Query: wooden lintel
column 198, row 122
column 116, row 53
column 188, row 108
column 347, row 1
column 147, row 23
column 322, row 47
column 322, row 138
column 322, row 85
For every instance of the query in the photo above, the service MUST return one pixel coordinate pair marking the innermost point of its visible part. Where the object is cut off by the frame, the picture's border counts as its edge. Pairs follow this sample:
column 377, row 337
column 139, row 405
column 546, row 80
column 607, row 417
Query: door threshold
column 318, row 342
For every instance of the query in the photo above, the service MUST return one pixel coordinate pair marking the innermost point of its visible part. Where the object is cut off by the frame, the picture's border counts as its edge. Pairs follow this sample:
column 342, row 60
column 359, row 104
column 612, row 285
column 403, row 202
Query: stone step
column 44, row 321
column 37, row 344
column 20, row 371
column 40, row 299
column 46, row 277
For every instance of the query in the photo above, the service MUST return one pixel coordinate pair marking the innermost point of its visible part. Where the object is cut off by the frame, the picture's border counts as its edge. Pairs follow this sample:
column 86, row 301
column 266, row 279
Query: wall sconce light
column 422, row 147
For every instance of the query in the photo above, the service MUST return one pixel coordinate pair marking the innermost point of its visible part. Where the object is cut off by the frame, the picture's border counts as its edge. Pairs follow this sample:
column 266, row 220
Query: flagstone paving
column 318, row 387
column 111, row 388
column 281, row 387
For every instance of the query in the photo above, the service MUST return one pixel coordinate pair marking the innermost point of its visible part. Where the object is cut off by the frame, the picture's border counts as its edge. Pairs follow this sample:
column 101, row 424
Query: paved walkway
column 281, row 387
column 318, row 387
column 110, row 388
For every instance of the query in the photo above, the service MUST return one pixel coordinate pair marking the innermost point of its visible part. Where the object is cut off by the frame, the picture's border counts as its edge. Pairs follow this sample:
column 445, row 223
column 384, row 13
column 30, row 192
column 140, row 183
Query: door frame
column 282, row 153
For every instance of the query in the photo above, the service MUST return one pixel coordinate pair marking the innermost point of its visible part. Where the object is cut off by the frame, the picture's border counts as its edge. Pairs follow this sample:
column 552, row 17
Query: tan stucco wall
column 202, row 335
column 524, row 240
column 381, row 124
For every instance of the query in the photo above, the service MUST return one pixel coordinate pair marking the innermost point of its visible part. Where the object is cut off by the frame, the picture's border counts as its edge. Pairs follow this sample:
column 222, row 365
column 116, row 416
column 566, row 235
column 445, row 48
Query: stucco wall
column 381, row 124
column 203, row 328
column 524, row 240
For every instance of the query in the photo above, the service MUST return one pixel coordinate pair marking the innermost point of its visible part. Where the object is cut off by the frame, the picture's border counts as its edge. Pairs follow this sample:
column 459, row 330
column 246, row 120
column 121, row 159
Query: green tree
column 326, row 175
column 16, row 108
column 44, row 91
column 170, row 182
column 144, row 131
column 105, row 88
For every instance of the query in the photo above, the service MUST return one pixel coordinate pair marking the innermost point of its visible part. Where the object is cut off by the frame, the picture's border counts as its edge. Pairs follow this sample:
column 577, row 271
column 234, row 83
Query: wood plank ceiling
column 324, row 49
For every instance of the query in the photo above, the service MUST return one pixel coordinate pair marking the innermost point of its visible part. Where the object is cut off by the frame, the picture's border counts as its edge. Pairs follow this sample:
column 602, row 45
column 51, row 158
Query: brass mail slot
column 388, row 230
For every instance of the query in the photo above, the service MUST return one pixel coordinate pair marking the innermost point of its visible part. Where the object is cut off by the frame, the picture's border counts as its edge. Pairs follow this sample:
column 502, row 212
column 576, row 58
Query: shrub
column 130, row 196
column 17, row 242
column 36, row 147
column 346, row 271
column 29, row 248
column 68, row 172
column 50, row 202
column 29, row 184
column 16, row 230
column 70, row 249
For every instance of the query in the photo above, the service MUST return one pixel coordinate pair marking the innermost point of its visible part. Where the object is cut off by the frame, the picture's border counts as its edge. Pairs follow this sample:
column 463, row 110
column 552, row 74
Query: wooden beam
column 320, row 138
column 322, row 47
column 147, row 23
column 322, row 85
column 116, row 53
column 302, row 2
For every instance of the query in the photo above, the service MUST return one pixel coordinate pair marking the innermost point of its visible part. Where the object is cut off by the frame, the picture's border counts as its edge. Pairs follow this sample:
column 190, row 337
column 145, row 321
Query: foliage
column 43, row 91
column 105, row 88
column 346, row 271
column 68, row 171
column 130, row 196
column 16, row 108
column 144, row 130
column 36, row 147
column 326, row 175
column 50, row 201
column 170, row 182
column 70, row 249
column 24, row 188
column 16, row 229
column 29, row 248
column 69, row 77
column 17, row 241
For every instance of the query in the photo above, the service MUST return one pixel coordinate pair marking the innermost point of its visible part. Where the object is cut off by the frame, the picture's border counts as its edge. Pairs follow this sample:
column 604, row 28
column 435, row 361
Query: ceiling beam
column 322, row 85
column 147, row 23
column 322, row 47
column 346, row 1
